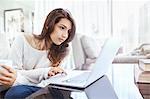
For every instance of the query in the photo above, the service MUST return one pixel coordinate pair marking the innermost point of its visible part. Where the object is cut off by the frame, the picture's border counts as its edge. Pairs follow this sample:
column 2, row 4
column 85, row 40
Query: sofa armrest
column 125, row 59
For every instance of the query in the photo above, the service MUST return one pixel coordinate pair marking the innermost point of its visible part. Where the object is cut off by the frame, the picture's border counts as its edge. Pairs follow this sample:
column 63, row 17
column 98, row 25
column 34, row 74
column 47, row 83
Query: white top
column 32, row 65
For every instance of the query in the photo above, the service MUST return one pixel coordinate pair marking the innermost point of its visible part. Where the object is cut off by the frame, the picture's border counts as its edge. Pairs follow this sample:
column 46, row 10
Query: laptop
column 81, row 78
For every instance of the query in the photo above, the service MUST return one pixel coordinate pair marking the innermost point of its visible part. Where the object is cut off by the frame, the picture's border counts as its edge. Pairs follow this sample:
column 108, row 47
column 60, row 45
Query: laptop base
column 100, row 89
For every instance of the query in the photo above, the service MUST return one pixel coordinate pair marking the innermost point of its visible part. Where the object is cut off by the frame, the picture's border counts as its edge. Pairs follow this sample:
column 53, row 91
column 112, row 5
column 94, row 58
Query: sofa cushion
column 127, row 59
column 92, row 46
column 88, row 64
column 78, row 53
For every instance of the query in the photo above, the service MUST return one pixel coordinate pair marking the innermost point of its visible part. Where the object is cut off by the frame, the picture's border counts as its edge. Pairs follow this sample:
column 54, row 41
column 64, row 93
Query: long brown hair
column 56, row 53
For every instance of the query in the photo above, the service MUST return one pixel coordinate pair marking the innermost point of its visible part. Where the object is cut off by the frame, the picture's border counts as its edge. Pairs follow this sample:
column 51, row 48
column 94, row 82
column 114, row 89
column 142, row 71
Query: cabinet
column 143, row 84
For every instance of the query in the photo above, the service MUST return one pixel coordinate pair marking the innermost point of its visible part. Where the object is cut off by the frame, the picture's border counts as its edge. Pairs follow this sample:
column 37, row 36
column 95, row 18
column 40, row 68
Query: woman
column 38, row 57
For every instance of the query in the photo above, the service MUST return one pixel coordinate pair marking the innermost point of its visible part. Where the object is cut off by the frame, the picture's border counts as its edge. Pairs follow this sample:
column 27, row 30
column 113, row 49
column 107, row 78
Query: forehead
column 65, row 22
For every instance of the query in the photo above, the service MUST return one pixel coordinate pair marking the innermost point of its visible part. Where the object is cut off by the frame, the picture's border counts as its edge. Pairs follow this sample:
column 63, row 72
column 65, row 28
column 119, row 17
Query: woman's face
column 61, row 31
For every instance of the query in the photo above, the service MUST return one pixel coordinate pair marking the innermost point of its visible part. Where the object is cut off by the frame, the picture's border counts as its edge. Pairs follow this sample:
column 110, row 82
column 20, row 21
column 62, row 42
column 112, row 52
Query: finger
column 54, row 70
column 51, row 73
column 6, row 73
column 60, row 70
column 4, row 82
column 57, row 70
column 6, row 79
column 8, row 68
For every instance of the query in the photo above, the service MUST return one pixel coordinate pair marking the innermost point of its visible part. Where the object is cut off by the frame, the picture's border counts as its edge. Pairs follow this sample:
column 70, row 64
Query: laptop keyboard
column 78, row 79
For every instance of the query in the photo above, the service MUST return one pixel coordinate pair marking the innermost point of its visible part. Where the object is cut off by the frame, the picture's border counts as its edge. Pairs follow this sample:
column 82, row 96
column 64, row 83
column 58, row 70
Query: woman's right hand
column 7, row 75
column 55, row 70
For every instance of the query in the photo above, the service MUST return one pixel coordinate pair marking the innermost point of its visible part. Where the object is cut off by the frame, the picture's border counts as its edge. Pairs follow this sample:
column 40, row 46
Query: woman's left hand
column 55, row 70
column 7, row 75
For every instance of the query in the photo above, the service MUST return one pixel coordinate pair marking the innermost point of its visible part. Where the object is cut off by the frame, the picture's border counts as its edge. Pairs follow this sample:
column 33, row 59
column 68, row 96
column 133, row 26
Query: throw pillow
column 92, row 46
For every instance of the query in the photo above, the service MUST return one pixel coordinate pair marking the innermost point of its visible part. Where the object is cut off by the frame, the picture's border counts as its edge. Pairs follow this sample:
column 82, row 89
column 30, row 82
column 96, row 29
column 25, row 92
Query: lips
column 61, row 40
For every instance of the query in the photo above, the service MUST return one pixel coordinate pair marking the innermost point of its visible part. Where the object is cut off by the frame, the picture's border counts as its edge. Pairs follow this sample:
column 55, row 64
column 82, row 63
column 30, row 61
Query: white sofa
column 85, row 50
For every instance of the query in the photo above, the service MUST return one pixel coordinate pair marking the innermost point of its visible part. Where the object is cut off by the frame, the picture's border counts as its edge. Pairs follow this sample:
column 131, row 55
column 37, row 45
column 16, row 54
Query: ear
column 46, row 27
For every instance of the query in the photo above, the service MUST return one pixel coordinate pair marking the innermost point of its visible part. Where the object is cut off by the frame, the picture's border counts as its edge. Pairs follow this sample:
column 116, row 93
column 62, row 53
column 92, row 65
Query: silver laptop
column 82, row 79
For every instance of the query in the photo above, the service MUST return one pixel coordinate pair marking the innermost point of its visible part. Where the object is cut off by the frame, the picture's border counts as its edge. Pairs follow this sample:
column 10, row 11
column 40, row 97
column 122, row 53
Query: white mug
column 5, row 62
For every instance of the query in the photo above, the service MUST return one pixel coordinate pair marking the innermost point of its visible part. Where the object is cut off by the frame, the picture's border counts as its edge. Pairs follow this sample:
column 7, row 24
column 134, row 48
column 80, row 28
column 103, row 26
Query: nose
column 65, row 35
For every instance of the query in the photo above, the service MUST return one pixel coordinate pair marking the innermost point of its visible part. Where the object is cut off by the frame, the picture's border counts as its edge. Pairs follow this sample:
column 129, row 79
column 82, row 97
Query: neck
column 42, row 44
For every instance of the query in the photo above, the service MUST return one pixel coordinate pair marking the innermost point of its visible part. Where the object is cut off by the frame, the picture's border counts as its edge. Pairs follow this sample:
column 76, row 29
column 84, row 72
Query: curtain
column 91, row 17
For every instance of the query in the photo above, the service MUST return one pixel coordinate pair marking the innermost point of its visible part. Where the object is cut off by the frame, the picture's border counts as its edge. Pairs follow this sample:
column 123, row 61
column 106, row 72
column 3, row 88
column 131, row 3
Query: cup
column 5, row 62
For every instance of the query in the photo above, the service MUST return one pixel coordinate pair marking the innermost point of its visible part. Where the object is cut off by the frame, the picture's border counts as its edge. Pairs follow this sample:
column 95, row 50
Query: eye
column 61, row 27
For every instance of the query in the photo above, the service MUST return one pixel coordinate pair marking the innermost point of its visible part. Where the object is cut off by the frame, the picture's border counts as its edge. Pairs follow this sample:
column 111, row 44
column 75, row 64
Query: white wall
column 26, row 5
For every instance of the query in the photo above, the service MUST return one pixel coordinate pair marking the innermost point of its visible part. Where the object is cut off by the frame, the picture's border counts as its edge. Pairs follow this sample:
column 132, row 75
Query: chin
column 58, row 43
